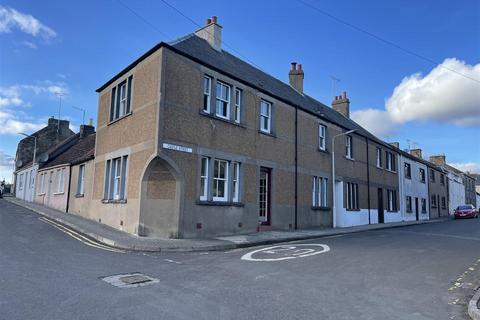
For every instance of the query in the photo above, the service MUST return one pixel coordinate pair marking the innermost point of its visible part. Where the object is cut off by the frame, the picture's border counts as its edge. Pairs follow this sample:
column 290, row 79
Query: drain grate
column 130, row 280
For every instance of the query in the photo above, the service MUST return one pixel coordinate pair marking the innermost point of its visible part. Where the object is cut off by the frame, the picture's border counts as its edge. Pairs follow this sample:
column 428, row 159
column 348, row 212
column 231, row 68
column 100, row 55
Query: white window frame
column 423, row 178
column 238, row 105
column 407, row 167
column 61, row 180
column 379, row 158
column 408, row 204
column 319, row 192
column 81, row 180
column 204, row 177
column 267, row 116
column 116, row 173
column 123, row 88
column 20, row 182
column 223, row 100
column 322, row 137
column 352, row 196
column 390, row 157
column 391, row 200
column 121, row 104
column 215, row 178
column 207, row 92
column 348, row 147
column 235, row 181
column 42, row 183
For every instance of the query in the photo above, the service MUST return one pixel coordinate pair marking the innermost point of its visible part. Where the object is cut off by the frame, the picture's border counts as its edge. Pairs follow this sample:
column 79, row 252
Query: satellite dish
column 43, row 157
column 18, row 163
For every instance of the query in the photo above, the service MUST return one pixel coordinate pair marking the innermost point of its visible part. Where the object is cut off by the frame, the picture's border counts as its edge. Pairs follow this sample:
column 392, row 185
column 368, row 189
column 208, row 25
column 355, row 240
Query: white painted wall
column 456, row 191
column 346, row 218
column 413, row 188
column 25, row 183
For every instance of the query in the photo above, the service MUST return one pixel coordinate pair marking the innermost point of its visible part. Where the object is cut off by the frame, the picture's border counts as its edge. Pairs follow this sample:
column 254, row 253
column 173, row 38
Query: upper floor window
column 319, row 192
column 444, row 203
column 120, row 99
column 223, row 101
column 238, row 106
column 433, row 201
column 390, row 159
column 432, row 175
column 115, row 177
column 265, row 116
column 348, row 147
column 442, row 178
column 379, row 158
column 352, row 196
column 422, row 175
column 322, row 137
column 81, row 179
column 207, row 88
column 408, row 170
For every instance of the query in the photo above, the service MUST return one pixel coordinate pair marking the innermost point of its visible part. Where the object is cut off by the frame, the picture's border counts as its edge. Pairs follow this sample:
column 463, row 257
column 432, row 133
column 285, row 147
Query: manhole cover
column 130, row 280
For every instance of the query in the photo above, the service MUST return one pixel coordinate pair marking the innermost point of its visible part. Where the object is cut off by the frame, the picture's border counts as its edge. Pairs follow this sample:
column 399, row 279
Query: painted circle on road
column 286, row 252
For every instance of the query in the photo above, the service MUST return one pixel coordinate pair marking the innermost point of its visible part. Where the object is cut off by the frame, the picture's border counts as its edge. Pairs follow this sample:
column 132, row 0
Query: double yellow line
column 79, row 237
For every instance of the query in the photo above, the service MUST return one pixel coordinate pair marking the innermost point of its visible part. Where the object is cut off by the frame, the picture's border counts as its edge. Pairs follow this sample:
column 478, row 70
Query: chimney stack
column 439, row 160
column 296, row 76
column 342, row 104
column 212, row 33
column 416, row 153
column 86, row 130
column 395, row 144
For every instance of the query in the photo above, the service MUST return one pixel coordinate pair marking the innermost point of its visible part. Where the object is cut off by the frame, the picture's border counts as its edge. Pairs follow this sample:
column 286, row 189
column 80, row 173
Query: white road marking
column 172, row 261
column 287, row 252
column 79, row 237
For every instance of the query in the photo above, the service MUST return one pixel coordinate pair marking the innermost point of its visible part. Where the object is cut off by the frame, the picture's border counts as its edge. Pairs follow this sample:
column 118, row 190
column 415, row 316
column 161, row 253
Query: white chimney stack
column 212, row 33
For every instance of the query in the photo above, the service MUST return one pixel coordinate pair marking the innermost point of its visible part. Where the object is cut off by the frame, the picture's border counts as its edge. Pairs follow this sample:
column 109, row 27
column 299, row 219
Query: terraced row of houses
column 192, row 141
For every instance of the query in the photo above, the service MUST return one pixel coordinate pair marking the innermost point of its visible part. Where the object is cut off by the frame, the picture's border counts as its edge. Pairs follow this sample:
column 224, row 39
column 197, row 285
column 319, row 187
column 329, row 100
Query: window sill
column 348, row 158
column 323, row 151
column 380, row 168
column 58, row 193
column 120, row 118
column 114, row 201
column 315, row 208
column 213, row 116
column 79, row 195
column 409, row 178
column 41, row 194
column 220, row 203
column 391, row 171
column 392, row 211
column 353, row 210
column 267, row 133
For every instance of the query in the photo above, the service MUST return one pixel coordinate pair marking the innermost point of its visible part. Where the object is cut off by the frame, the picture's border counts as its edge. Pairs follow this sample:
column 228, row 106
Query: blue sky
column 74, row 47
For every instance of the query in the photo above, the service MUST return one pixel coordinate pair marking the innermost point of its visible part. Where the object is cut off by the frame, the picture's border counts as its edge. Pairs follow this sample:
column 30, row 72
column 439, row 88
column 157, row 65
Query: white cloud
column 10, row 96
column 376, row 121
column 12, row 19
column 441, row 95
column 12, row 124
column 472, row 167
column 29, row 44
column 6, row 166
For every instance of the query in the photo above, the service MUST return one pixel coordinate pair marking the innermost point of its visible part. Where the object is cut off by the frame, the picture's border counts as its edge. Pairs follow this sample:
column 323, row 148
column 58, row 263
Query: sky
column 410, row 68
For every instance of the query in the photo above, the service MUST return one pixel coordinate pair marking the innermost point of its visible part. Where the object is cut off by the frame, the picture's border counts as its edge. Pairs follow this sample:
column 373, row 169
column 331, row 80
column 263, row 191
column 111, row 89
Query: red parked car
column 465, row 211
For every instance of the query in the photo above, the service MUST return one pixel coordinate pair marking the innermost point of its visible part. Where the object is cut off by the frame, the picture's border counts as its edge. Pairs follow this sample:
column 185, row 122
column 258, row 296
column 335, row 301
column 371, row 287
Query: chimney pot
column 214, row 19
column 295, row 77
column 208, row 21
column 341, row 104
column 344, row 95
column 299, row 66
column 212, row 33
column 294, row 66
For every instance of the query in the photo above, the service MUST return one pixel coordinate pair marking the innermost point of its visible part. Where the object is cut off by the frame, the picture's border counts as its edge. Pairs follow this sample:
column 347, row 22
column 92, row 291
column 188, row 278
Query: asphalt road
column 413, row 272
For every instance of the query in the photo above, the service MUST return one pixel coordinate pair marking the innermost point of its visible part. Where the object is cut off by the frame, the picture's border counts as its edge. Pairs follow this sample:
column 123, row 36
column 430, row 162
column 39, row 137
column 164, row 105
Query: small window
column 424, row 205
column 60, row 180
column 422, row 175
column 408, row 171
column 390, row 157
column 409, row 204
column 81, row 179
column 120, row 99
column 20, row 182
column 319, row 194
column 115, row 177
column 432, row 175
column 444, row 203
column 391, row 200
column 223, row 101
column 42, row 182
column 220, row 180
column 265, row 116
column 348, row 147
column 442, row 179
column 379, row 158
column 433, row 201
column 207, row 88
column 352, row 196
column 322, row 137
column 235, row 184
column 238, row 106
column 204, row 179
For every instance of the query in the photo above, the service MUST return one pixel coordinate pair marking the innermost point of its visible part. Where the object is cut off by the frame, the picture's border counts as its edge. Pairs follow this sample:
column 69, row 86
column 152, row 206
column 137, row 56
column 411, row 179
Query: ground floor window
column 222, row 177
column 319, row 192
column 392, row 200
column 115, row 177
column 352, row 196
column 444, row 203
column 409, row 204
column 424, row 205
column 81, row 179
column 433, row 201
column 60, row 180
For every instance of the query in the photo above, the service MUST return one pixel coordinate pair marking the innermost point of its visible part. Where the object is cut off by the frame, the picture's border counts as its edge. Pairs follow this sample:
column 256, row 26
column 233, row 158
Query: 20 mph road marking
column 286, row 252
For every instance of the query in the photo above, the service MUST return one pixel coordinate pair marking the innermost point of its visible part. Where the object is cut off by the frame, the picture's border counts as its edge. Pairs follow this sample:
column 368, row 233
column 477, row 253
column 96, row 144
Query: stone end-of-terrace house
column 413, row 175
column 194, row 142
column 461, row 184
column 25, row 170
column 61, row 177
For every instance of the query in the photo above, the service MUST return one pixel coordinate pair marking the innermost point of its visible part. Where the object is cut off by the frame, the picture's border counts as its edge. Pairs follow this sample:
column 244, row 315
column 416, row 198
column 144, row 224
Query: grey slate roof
column 79, row 150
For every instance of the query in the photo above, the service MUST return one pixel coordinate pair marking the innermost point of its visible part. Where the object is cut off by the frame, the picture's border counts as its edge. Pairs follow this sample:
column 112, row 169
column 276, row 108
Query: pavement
column 118, row 239
column 415, row 272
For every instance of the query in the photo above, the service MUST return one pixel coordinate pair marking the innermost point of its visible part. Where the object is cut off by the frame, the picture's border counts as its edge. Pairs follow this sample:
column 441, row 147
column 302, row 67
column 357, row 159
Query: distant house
column 25, row 170
column 54, row 175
